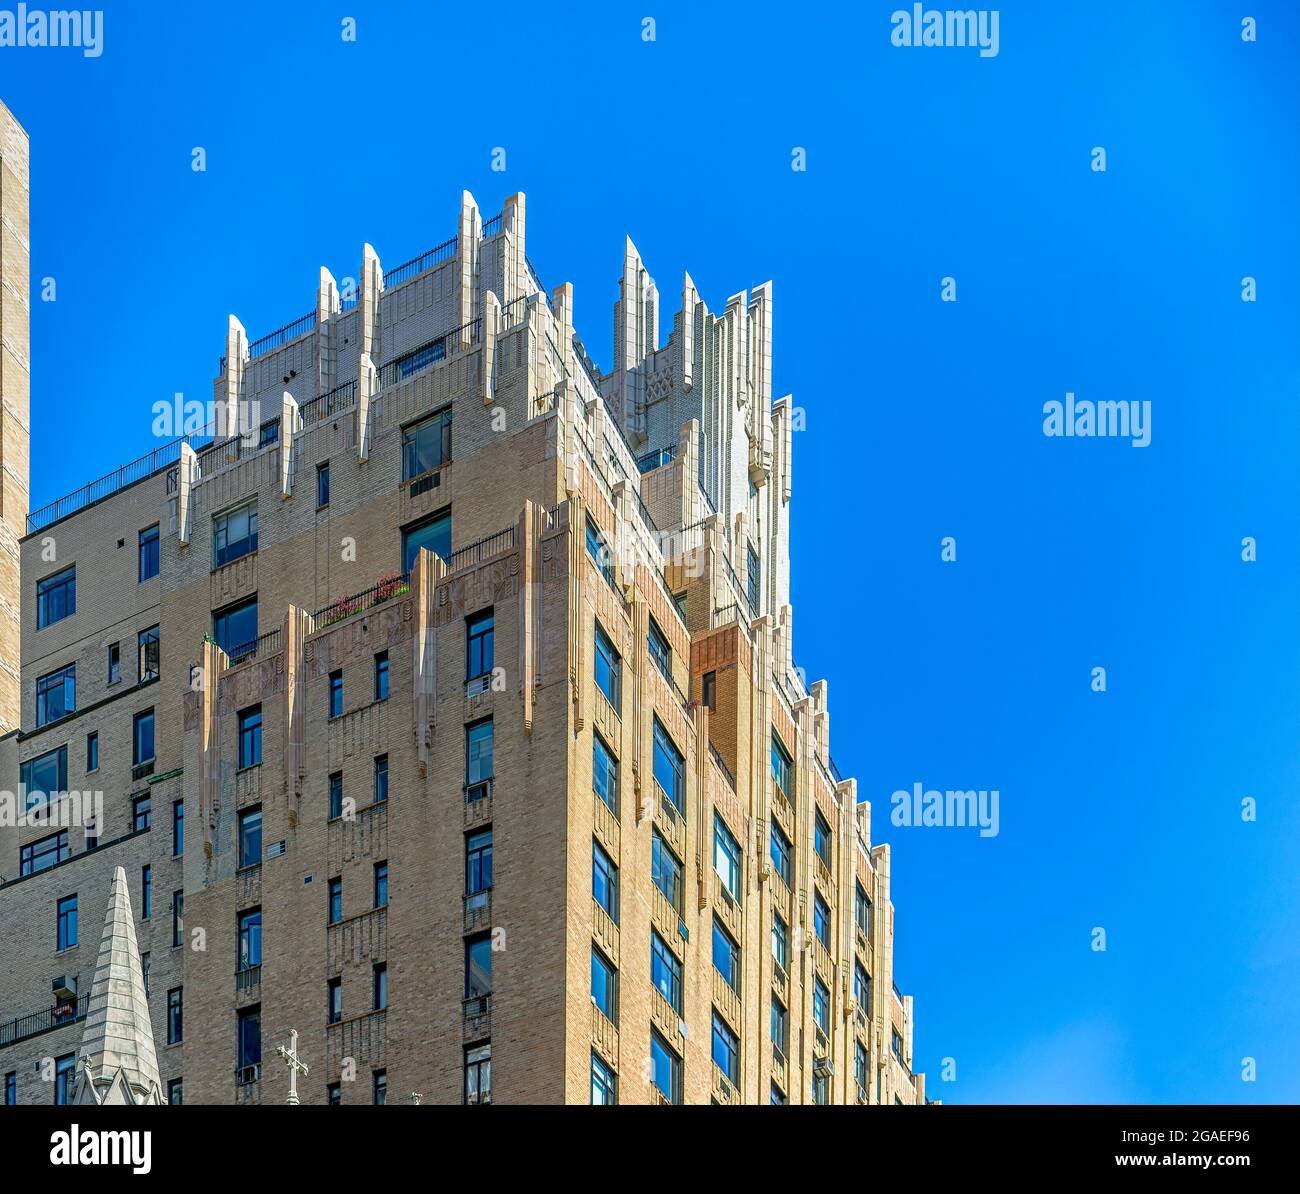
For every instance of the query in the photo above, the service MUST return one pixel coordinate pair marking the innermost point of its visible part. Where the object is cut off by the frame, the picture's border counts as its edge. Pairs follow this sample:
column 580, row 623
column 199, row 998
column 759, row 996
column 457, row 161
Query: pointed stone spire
column 117, row 1059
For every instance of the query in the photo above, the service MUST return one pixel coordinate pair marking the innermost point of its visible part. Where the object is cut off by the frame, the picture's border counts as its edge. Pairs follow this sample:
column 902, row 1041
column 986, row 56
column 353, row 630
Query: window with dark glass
column 782, row 856
column 821, row 1006
column 323, row 485
column 380, row 1088
column 142, row 744
column 433, row 532
column 609, row 668
column 896, row 1043
column 178, row 828
column 822, row 839
column 381, row 778
column 478, row 758
column 604, row 773
column 56, row 694
column 478, row 867
column 862, row 911
column 665, row 972
column 334, row 904
column 379, row 987
column 56, row 597
column 599, row 551
column 176, row 1092
column 65, row 1079
column 44, row 777
column 67, row 923
column 726, row 1049
column 860, row 1068
column 175, row 1017
column 334, row 1001
column 780, row 943
column 861, row 987
column 668, row 766
column 250, row 938
column 478, row 967
column 781, row 766
column 381, row 676
column 752, row 579
column 426, row 445
column 336, row 694
column 334, row 1094
column 146, row 892
column 604, row 982
column 666, row 871
column 709, row 690
column 178, row 918
column 336, row 795
column 604, row 881
column 780, row 1026
column 92, row 833
column 92, row 751
column 479, row 634
column 235, row 628
column 726, row 956
column 44, row 853
column 144, row 971
column 250, row 736
column 665, row 1069
column 821, row 920
column 249, row 1042
column 148, row 655
column 660, row 649
column 381, row 885
column 234, row 534
column 250, row 836
column 114, row 663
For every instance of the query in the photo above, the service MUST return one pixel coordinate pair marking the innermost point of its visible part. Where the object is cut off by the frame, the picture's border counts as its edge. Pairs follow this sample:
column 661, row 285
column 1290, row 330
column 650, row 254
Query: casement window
column 176, row 1092
column 141, row 813
column 781, row 767
column 821, row 920
column 822, row 840
column 250, row 837
column 604, row 773
column 433, row 533
column 333, row 1001
column 753, row 576
column 609, row 668
column 426, row 445
column 478, row 968
column 250, row 938
column 178, row 828
column 92, row 751
column 665, row 972
column 148, row 655
column 336, row 795
column 250, row 736
column 478, row 1074
column 604, row 985
column 234, row 629
column 56, row 695
column 604, row 881
column 726, row 956
column 782, row 856
column 726, row 1049
column 666, row 871
column 66, row 935
column 379, row 987
column 234, row 534
column 479, row 635
column 44, row 777
column 726, row 858
column 668, row 767
column 665, row 1069
column 149, row 552
column 40, row 855
column 56, row 597
column 379, row 1088
column 861, row 987
column 862, row 911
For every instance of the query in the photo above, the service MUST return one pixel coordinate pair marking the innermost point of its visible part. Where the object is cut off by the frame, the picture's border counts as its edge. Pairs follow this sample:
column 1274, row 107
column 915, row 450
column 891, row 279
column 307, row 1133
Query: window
column 56, row 597
column 782, row 857
column 178, row 918
column 426, row 445
column 250, row 938
column 56, row 695
column 92, row 833
column 334, row 903
column 67, row 929
column 666, row 972
column 604, row 980
column 478, row 1074
column 92, row 751
column 752, row 586
column 604, row 773
column 333, row 1001
column 860, row 1068
column 114, row 663
column 478, row 759
column 44, row 777
column 667, row 766
column 336, row 795
column 665, row 1069
column 821, row 920
column 148, row 657
column 144, row 971
column 780, row 1026
column 604, row 881
column 42, row 854
column 433, row 532
column 149, row 552
column 381, row 778
column 726, row 857
column 821, row 1006
column 235, row 628
column 726, row 1049
column 250, row 837
column 478, row 867
column 336, row 694
column 778, row 1099
column 478, row 968
column 380, row 1087
column 381, row 885
column 479, row 635
column 322, row 485
column 178, row 828
column 726, row 956
column 175, row 1017
column 781, row 766
column 379, row 987
column 896, row 1043
column 234, row 534
column 609, row 668
column 65, row 1076
column 381, row 676
column 604, row 1084
column 780, row 943
column 142, row 745
column 599, row 551
column 660, row 649
column 861, row 987
column 250, row 737
column 249, row 1036
column 141, row 813
column 176, row 1092
column 820, row 1089
column 822, row 840
column 146, row 892
column 11, row 1088
column 334, row 1095
column 666, row 871
column 709, row 690
column 862, row 911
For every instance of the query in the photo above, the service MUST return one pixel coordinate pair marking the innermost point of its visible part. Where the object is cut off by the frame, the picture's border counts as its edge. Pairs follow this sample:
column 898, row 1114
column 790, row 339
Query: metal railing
column 429, row 353
column 417, row 265
column 722, row 766
column 338, row 399
column 21, row 1027
column 484, row 549
column 397, row 585
column 491, row 227
column 265, row 644
column 649, row 461
column 281, row 336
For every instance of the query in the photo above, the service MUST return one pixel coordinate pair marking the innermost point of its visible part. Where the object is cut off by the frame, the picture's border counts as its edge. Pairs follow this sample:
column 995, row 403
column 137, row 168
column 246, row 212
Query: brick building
column 443, row 708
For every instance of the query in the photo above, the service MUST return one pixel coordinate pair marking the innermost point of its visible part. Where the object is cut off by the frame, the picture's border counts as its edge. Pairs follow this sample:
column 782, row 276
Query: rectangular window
column 148, row 655
column 604, row 981
column 250, row 939
column 821, row 1006
column 479, row 635
column 668, row 767
column 896, row 1043
column 178, row 828
column 322, row 485
column 141, row 813
column 11, row 1088
column 333, row 1001
column 56, row 597
column 176, row 1092
column 604, row 881
column 822, row 839
column 92, row 751
column 726, row 956
column 861, row 987
column 821, row 920
column 381, row 676
column 65, row 1076
column 41, row 855
column 862, row 911
column 336, row 694
column 144, row 971
column 67, row 926
column 478, row 967
column 379, row 987
column 782, row 856
column 381, row 778
column 433, row 532
column 44, row 777
column 381, row 885
column 752, row 579
column 609, row 669
column 726, row 1050
column 380, row 1088
column 142, row 744
column 821, row 1089
column 604, row 773
column 778, row 1099
column 780, row 943
column 599, row 551
column 665, row 972
column 334, row 903
column 709, row 690
column 781, row 767
column 665, row 1069
column 426, row 445
column 92, row 833
column 114, row 663
column 250, row 837
column 660, row 649
column 666, row 871
column 780, row 1026
column 860, row 1068
column 249, row 1043
column 478, row 759
column 178, row 919
column 56, row 695
column 234, row 534
column 146, row 892
column 336, row 795
column 250, row 737
column 726, row 858
column 235, row 629
column 478, row 867
column 478, row 1075
column 334, row 1094
column 604, row 1084
column 149, row 552
column 175, row 1017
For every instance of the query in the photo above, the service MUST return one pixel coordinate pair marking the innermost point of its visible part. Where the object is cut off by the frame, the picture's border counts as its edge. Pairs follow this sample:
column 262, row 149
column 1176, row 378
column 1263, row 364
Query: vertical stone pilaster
column 468, row 233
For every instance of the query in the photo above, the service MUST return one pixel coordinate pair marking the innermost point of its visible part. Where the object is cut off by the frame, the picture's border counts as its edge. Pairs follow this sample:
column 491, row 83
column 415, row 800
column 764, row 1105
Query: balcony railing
column 264, row 645
column 721, row 765
column 484, row 549
column 647, row 462
column 22, row 1027
column 340, row 398
column 476, row 1016
column 417, row 265
column 281, row 336
column 397, row 585
column 476, row 910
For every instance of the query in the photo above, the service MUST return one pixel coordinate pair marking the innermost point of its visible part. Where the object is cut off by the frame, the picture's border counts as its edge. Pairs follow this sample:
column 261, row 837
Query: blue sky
column 1118, row 809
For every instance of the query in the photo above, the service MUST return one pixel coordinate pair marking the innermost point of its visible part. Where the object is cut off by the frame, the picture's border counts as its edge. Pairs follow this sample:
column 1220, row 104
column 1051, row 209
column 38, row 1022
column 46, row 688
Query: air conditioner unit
column 823, row 1065
column 64, row 988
